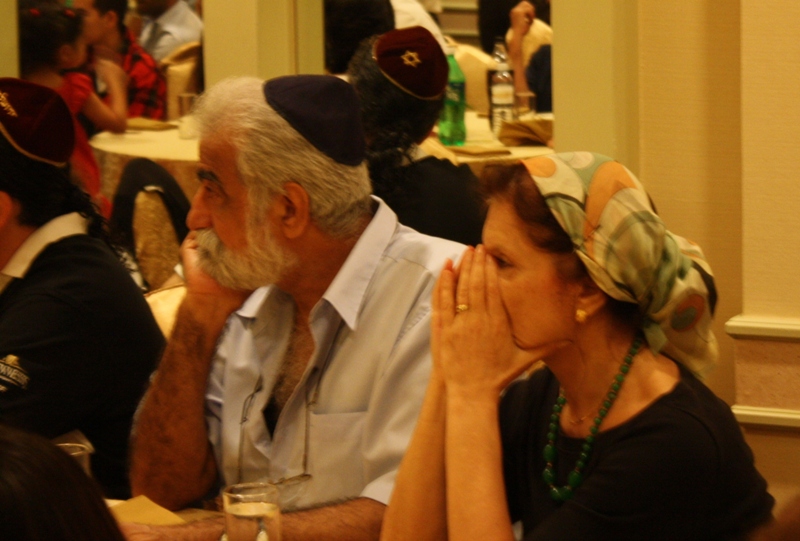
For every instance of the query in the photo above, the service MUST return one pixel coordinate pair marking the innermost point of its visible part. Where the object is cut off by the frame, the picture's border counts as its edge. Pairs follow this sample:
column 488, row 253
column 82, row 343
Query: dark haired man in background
column 105, row 31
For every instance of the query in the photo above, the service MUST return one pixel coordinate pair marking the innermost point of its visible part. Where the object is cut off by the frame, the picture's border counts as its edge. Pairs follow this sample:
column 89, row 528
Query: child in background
column 51, row 41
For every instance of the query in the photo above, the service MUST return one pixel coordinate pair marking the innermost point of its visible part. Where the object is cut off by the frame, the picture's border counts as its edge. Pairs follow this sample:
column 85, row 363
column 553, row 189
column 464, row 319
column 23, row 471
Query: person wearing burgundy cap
column 301, row 350
column 77, row 339
column 400, row 79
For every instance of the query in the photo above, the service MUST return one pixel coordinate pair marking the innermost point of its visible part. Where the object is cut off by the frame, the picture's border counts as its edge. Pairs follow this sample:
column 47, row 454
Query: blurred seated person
column 400, row 78
column 616, row 437
column 409, row 13
column 45, row 495
column 531, row 56
column 493, row 20
column 348, row 23
column 52, row 44
column 105, row 32
column 168, row 24
column 77, row 339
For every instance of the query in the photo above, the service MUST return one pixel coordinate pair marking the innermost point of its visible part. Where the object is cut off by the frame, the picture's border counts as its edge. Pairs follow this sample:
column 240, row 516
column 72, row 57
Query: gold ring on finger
column 462, row 308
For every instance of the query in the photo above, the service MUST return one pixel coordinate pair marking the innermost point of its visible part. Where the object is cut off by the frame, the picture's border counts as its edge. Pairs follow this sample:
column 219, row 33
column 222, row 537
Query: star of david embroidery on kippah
column 411, row 58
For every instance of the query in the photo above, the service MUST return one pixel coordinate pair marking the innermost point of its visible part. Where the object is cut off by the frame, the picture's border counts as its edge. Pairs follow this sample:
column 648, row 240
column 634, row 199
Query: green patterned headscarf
column 630, row 254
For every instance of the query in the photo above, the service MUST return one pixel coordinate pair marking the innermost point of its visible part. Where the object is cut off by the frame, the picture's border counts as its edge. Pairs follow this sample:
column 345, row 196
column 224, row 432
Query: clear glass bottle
column 452, row 130
column 502, row 97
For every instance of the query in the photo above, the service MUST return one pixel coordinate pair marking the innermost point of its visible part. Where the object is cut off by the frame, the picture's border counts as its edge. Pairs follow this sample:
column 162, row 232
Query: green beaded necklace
column 575, row 477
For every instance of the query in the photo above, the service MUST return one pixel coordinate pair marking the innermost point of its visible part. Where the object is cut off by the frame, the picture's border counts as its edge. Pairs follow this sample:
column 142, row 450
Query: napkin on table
column 142, row 510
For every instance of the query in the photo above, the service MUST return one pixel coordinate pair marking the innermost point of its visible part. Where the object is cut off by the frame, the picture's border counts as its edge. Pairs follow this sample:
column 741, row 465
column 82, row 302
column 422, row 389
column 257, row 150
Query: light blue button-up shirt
column 364, row 382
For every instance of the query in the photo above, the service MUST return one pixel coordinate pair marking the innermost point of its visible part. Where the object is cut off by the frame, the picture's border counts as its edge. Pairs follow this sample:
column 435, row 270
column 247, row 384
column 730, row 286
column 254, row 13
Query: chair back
column 475, row 64
column 180, row 70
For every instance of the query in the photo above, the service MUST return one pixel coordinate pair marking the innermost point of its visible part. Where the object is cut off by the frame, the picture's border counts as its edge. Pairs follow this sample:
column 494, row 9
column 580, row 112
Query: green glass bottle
column 452, row 130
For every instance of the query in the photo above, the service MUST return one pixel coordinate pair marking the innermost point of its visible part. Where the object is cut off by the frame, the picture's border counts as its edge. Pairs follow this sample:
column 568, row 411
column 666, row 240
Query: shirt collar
column 56, row 229
column 173, row 16
column 345, row 294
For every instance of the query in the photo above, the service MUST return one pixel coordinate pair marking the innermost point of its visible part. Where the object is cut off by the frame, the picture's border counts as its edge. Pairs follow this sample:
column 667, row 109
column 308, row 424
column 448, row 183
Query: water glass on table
column 252, row 512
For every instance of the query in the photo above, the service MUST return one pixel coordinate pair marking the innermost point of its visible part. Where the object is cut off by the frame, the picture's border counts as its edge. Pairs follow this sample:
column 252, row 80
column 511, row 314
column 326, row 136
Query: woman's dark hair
column 45, row 495
column 45, row 192
column 43, row 30
column 393, row 121
column 513, row 183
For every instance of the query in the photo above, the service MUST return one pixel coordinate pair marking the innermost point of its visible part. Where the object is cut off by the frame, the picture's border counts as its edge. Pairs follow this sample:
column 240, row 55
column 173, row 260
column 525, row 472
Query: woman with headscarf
column 616, row 437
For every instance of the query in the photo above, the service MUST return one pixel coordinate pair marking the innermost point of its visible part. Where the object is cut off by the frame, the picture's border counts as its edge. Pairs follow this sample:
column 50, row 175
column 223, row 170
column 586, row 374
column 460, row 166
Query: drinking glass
column 79, row 452
column 252, row 512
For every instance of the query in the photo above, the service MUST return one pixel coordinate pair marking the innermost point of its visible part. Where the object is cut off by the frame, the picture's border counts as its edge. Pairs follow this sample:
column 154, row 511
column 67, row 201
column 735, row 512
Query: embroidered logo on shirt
column 11, row 372
column 6, row 105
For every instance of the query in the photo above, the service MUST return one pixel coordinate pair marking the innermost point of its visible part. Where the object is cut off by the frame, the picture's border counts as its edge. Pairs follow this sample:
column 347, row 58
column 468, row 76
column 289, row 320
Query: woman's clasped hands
column 473, row 347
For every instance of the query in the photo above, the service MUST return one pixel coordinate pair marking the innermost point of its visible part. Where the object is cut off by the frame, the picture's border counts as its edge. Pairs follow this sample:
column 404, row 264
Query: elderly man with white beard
column 300, row 354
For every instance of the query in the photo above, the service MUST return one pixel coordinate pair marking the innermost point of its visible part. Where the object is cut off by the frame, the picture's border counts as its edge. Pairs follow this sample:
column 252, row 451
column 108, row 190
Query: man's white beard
column 262, row 263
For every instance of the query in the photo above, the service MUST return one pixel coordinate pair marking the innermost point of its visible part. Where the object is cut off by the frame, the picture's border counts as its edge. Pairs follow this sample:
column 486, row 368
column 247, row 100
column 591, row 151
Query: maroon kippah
column 36, row 121
column 413, row 60
column 324, row 110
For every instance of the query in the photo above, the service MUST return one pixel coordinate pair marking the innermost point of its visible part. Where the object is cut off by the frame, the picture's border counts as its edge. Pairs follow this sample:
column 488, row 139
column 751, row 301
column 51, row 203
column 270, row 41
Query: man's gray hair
column 270, row 153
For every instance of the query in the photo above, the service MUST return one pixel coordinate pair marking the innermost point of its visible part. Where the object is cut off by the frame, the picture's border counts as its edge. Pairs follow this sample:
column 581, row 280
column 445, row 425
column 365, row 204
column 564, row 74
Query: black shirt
column 77, row 345
column 439, row 199
column 679, row 470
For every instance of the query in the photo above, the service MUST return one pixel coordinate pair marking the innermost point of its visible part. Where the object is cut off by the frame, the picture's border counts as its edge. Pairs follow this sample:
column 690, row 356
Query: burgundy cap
column 413, row 60
column 36, row 121
column 324, row 110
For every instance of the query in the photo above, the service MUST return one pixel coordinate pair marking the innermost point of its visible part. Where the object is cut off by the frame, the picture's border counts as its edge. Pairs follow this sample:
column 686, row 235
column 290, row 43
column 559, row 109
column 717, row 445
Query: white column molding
column 743, row 326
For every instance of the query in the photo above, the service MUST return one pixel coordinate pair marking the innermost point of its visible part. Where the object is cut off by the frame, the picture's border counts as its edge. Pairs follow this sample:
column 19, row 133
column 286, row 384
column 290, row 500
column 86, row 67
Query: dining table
column 164, row 145
column 180, row 154
column 482, row 147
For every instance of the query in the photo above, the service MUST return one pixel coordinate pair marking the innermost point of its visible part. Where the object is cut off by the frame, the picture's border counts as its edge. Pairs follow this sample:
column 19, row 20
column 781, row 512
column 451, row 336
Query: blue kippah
column 324, row 110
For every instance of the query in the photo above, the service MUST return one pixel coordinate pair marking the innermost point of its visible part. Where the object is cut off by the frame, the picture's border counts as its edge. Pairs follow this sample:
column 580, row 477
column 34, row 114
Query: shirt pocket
column 335, row 460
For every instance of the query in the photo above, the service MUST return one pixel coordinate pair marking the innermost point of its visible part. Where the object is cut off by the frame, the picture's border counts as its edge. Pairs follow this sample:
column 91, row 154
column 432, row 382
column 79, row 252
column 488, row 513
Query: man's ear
column 110, row 19
column 292, row 210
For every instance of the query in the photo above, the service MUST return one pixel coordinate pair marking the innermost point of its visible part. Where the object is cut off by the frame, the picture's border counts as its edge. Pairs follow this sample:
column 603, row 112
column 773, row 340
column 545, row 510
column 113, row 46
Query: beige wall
column 771, row 115
column 655, row 84
column 715, row 112
column 9, row 65
column 262, row 39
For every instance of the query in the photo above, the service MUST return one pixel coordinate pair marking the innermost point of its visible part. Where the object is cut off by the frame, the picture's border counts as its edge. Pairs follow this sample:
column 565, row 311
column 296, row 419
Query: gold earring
column 580, row 315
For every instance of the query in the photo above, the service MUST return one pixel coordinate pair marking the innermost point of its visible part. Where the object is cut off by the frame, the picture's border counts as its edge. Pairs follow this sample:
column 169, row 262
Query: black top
column 77, row 345
column 439, row 199
column 680, row 470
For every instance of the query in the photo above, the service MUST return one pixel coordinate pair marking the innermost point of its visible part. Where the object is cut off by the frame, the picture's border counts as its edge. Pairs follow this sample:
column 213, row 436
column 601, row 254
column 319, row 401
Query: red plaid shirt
column 147, row 89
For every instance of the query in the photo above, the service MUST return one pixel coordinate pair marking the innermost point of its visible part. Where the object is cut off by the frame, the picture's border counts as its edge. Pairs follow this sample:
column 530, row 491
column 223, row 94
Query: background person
column 615, row 438
column 530, row 53
column 109, row 38
column 51, row 40
column 167, row 25
column 348, row 23
column 44, row 494
column 77, row 339
column 400, row 78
